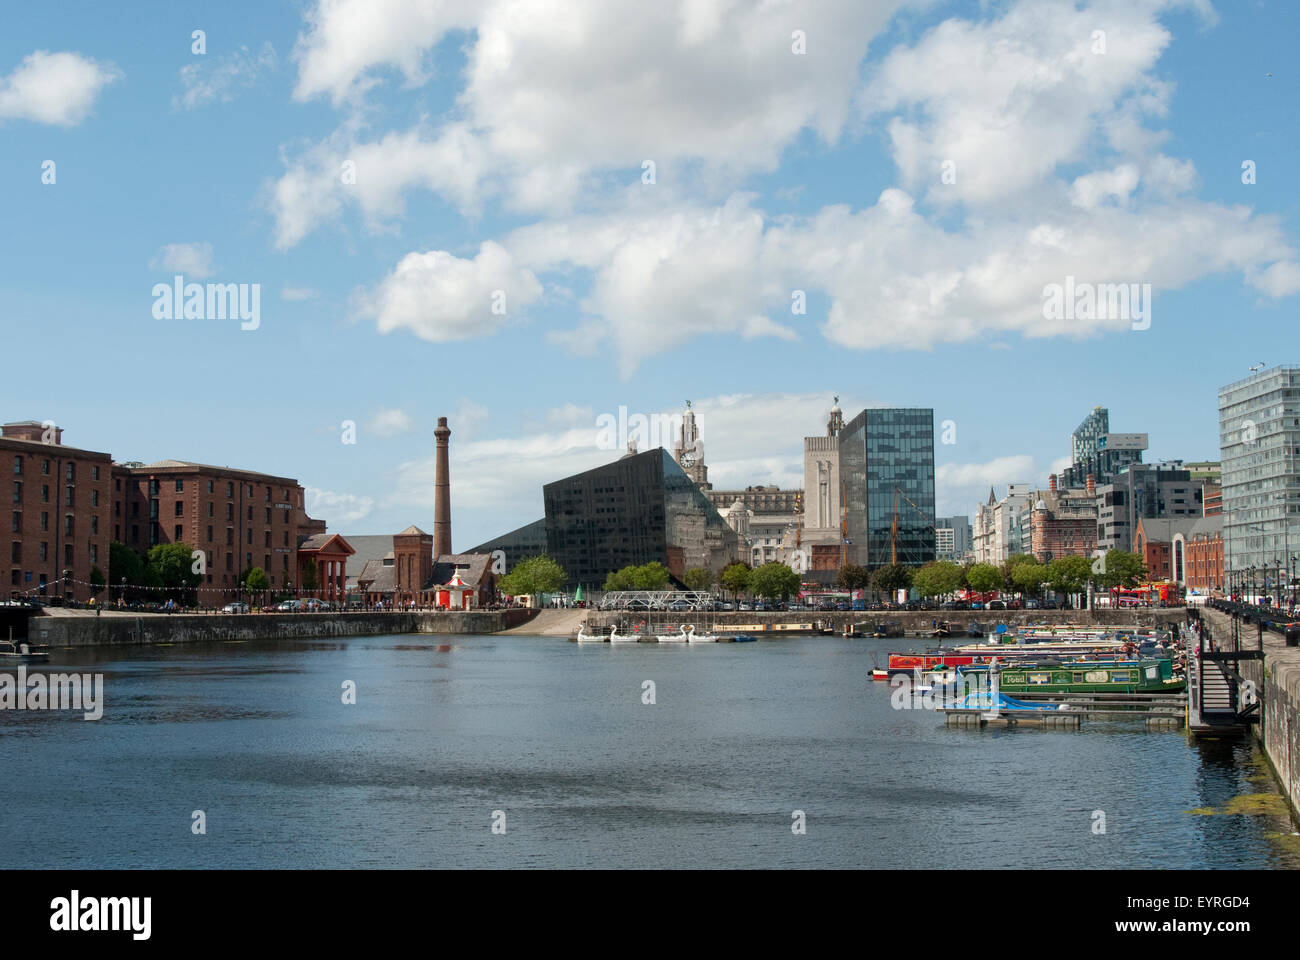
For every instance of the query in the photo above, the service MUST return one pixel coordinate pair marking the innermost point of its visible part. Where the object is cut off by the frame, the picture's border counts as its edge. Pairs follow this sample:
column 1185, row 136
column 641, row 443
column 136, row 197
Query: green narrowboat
column 1086, row 676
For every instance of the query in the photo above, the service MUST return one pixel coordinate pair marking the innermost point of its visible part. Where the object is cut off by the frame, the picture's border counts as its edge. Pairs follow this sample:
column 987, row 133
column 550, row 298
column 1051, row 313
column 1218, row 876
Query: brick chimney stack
column 442, row 494
column 1051, row 483
column 1091, row 484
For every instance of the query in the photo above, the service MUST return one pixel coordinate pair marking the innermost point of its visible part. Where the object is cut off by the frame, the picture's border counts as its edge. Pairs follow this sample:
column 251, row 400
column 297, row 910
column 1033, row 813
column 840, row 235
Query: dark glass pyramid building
column 638, row 509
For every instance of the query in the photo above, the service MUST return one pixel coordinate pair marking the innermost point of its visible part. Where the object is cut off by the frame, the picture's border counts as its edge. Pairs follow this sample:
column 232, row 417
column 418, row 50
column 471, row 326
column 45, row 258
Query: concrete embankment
column 1278, row 677
column 81, row 631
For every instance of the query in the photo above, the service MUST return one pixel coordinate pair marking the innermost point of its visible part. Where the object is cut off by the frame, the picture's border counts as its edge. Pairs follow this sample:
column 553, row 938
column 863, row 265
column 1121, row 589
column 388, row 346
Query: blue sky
column 500, row 146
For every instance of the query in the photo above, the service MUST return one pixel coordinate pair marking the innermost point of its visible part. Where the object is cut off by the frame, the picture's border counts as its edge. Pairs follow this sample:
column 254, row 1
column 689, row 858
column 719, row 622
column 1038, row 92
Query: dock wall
column 82, row 631
column 1278, row 677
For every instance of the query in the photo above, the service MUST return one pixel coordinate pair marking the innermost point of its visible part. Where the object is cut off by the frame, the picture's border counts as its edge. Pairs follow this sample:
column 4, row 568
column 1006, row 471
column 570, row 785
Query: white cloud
column 207, row 79
column 191, row 259
column 337, row 509
column 441, row 297
column 390, row 423
column 55, row 88
column 375, row 176
column 298, row 293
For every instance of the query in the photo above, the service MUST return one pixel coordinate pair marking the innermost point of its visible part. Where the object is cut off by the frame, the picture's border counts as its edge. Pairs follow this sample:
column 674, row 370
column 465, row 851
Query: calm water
column 556, row 735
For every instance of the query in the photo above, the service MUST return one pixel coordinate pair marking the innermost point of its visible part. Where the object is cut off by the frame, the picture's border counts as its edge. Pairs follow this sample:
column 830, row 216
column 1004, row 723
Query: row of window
column 43, row 552
column 69, row 496
column 69, row 524
column 69, row 470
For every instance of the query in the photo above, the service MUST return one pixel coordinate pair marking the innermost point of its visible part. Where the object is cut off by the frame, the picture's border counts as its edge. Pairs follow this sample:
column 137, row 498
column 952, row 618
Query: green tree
column 125, row 564
column 172, row 564
column 891, row 577
column 257, row 579
column 735, row 577
column 698, row 578
column 534, row 576
column 1121, row 569
column 1069, row 574
column 937, row 579
column 1029, row 576
column 96, row 580
column 984, row 577
column 310, row 575
column 853, row 577
column 650, row 576
column 774, row 581
column 619, row 580
column 1009, row 568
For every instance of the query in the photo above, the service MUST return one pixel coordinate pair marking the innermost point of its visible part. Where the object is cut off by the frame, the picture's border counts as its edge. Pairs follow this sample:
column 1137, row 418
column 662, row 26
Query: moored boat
column 21, row 652
column 693, row 637
column 1085, row 676
column 679, row 637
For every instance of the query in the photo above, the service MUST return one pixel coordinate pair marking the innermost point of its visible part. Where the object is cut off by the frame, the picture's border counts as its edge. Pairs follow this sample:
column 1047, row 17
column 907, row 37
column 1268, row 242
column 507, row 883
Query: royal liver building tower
column 689, row 450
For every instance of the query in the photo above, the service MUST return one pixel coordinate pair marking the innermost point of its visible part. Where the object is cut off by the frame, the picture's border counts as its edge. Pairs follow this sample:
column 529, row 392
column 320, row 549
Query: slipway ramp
column 551, row 623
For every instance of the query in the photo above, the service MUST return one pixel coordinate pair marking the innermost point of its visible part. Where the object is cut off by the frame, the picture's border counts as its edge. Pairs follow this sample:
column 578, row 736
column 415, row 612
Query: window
column 209, row 533
column 268, row 538
column 135, row 508
column 268, row 494
column 180, row 508
column 45, row 551
column 94, row 554
column 94, row 498
column 18, row 522
column 45, row 493
column 18, row 465
column 153, row 509
column 70, row 474
column 94, row 473
column 117, row 508
column 45, row 467
column 230, row 561
column 250, row 538
column 180, row 486
column 94, row 526
column 250, row 514
column 153, row 488
column 210, row 511
column 45, row 520
column 230, row 512
column 135, row 533
column 16, row 552
column 268, row 514
column 230, row 490
column 230, row 536
column 18, row 491
column 70, row 497
column 117, row 532
column 68, row 525
column 67, row 554
column 180, row 534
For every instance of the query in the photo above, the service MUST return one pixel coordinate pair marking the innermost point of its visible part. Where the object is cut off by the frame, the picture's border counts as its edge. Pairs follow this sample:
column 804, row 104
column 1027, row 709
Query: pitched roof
column 412, row 530
column 379, row 578
column 472, row 567
column 318, row 541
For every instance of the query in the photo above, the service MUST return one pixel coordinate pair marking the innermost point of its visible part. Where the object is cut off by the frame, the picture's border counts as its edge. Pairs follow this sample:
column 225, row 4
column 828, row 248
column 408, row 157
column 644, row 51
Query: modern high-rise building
column 1095, row 451
column 952, row 538
column 1145, row 490
column 886, row 461
column 1259, row 440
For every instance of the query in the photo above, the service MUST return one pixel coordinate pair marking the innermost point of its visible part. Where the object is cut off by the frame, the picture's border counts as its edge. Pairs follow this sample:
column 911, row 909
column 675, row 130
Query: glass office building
column 1259, row 438
column 638, row 509
column 887, row 471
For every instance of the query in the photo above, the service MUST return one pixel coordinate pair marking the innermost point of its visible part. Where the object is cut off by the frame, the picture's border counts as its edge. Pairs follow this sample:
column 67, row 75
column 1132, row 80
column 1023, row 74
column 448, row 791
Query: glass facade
column 638, row 509
column 887, row 470
column 1259, row 436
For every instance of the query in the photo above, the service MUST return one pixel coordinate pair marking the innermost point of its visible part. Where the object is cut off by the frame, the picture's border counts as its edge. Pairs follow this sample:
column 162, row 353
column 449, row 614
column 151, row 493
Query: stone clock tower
column 689, row 451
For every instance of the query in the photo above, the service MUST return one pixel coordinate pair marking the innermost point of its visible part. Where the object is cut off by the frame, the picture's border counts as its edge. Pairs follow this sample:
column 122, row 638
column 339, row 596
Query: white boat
column 584, row 637
column 694, row 637
column 616, row 637
column 680, row 637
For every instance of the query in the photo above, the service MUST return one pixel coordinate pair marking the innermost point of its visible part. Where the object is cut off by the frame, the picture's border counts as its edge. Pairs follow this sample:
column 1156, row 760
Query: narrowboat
column 1084, row 676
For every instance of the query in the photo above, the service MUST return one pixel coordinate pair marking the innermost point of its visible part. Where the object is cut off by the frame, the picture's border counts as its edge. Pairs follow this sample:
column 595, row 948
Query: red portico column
column 442, row 494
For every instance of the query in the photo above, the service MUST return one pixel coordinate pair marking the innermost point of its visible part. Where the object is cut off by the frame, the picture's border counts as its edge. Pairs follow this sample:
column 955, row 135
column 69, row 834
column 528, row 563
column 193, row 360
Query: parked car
column 237, row 606
column 314, row 604
column 289, row 606
column 976, row 605
column 842, row 605
column 997, row 605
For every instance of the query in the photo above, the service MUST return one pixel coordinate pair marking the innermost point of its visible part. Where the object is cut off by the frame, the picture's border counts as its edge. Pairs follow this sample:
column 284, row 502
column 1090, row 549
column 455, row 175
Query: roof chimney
column 1091, row 485
column 1051, row 483
column 442, row 494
